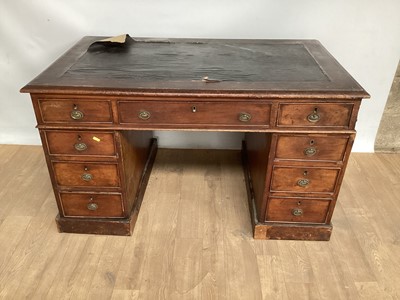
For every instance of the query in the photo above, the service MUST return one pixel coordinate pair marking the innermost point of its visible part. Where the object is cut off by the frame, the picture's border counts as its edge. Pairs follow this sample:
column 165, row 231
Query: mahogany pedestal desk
column 98, row 105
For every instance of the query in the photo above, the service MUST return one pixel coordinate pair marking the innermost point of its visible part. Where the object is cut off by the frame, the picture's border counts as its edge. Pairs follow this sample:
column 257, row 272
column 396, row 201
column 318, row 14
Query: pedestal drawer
column 86, row 174
column 304, row 179
column 81, row 143
column 92, row 205
column 312, row 147
column 297, row 210
column 315, row 115
column 75, row 111
column 206, row 113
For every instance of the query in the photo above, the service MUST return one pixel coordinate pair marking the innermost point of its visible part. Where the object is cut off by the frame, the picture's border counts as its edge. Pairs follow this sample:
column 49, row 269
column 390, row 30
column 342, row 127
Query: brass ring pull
column 87, row 176
column 297, row 212
column 76, row 114
column 80, row 146
column 310, row 151
column 314, row 117
column 244, row 117
column 92, row 206
column 303, row 182
column 144, row 115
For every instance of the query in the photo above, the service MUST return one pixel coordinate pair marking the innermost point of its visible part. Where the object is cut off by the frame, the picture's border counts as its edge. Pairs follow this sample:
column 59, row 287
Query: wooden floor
column 193, row 237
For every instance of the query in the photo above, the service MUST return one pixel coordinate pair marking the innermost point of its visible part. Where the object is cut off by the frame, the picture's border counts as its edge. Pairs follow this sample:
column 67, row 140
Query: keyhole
column 194, row 109
column 79, row 137
column 299, row 203
column 85, row 168
column 305, row 173
column 312, row 142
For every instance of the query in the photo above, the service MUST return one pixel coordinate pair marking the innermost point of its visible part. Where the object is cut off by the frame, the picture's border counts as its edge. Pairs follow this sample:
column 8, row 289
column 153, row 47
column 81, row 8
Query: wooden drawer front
column 304, row 180
column 311, row 147
column 206, row 113
column 88, row 174
column 81, row 143
column 92, row 205
column 316, row 114
column 297, row 210
column 75, row 111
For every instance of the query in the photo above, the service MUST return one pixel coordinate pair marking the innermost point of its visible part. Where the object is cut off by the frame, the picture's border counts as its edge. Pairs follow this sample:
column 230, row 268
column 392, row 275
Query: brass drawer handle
column 297, row 212
column 77, row 114
column 244, row 117
column 80, row 146
column 144, row 115
column 310, row 151
column 92, row 206
column 303, row 182
column 314, row 117
column 87, row 176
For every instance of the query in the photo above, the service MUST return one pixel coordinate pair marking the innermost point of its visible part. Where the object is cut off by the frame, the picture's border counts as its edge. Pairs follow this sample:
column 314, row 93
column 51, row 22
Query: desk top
column 261, row 68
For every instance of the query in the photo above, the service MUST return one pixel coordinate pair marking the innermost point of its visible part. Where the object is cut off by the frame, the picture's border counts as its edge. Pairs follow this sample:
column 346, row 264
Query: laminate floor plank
column 103, row 282
column 64, row 275
column 125, row 295
column 12, row 230
column 49, row 239
column 193, row 237
column 157, row 268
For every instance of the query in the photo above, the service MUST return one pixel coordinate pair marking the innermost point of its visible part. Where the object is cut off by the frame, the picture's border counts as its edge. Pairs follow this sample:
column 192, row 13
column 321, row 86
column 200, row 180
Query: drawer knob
column 80, row 146
column 76, row 114
column 314, row 117
column 297, row 212
column 87, row 176
column 144, row 115
column 92, row 206
column 303, row 182
column 244, row 117
column 310, row 151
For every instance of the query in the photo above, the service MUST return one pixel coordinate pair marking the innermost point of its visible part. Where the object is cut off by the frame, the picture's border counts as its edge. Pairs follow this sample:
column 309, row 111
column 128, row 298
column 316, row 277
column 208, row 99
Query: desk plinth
column 97, row 107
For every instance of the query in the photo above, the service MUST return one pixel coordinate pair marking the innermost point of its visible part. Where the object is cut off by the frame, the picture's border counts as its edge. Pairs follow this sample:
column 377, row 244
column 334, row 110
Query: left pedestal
column 99, row 177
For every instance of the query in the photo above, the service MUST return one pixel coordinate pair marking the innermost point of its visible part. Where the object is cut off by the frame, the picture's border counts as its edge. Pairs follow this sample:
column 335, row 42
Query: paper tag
column 95, row 138
column 115, row 39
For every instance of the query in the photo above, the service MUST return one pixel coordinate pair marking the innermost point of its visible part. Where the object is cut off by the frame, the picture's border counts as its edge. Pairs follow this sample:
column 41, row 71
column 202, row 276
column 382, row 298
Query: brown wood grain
column 195, row 112
column 327, row 147
column 322, row 180
column 97, row 143
column 313, row 210
column 76, row 205
column 59, row 111
column 70, row 174
column 137, row 147
column 256, row 155
column 330, row 114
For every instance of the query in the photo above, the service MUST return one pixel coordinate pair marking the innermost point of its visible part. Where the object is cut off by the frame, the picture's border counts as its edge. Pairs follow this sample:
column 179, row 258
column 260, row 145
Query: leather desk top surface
column 253, row 68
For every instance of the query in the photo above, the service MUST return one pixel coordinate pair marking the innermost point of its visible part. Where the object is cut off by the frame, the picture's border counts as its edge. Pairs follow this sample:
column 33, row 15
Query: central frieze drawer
column 206, row 113
column 311, row 147
column 92, row 205
column 75, row 111
column 336, row 115
column 86, row 174
column 81, row 143
column 304, row 180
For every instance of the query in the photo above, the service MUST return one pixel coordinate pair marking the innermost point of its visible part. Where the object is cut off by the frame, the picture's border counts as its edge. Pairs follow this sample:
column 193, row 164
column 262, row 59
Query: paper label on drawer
column 95, row 138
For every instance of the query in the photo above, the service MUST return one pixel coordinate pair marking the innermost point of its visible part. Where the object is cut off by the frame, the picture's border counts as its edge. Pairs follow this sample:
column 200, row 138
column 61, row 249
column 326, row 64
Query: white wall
column 363, row 35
